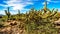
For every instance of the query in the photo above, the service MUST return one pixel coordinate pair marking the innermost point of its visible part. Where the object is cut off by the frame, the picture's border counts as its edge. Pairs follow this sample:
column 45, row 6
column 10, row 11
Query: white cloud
column 15, row 5
column 55, row 1
column 52, row 1
column 59, row 9
column 18, row 4
column 3, row 5
column 2, row 12
column 32, row 0
column 49, row 0
column 44, row 3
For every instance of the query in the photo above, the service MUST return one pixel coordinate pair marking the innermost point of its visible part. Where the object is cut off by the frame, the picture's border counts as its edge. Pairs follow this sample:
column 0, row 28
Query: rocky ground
column 12, row 27
column 15, row 27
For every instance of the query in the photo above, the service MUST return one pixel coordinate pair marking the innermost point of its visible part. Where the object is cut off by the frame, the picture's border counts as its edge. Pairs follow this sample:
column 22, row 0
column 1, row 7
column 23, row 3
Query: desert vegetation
column 32, row 22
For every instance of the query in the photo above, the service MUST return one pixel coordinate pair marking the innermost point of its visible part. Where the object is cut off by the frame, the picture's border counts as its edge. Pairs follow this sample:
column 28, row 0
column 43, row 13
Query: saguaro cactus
column 18, row 12
column 7, row 12
column 45, row 7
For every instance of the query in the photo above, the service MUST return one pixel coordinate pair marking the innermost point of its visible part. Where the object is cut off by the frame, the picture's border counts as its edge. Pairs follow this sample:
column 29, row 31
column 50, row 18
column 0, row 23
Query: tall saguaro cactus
column 45, row 6
column 18, row 12
column 7, row 13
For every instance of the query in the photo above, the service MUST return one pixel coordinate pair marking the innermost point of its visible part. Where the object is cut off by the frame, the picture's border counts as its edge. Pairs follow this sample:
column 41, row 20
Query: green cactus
column 52, row 9
column 7, row 13
column 18, row 12
column 45, row 7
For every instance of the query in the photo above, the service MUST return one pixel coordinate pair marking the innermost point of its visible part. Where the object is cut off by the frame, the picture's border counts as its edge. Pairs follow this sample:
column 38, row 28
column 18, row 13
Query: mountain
column 1, row 15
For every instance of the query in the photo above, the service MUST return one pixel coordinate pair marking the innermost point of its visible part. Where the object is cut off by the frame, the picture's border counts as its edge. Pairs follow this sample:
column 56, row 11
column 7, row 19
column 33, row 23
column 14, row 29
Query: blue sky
column 25, row 5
